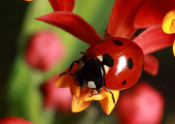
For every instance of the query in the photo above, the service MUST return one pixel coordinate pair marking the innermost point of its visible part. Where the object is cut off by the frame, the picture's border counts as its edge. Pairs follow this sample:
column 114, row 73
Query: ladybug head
column 91, row 72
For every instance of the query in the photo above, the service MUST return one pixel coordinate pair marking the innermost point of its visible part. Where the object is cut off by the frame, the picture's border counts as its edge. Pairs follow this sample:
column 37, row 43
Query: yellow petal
column 99, row 96
column 84, row 91
column 168, row 24
column 79, row 106
column 81, row 98
column 174, row 48
column 78, row 103
column 64, row 81
column 75, row 90
column 107, row 103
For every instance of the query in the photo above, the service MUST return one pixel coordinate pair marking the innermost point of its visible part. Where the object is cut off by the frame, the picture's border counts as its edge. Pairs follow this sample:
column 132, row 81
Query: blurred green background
column 19, row 84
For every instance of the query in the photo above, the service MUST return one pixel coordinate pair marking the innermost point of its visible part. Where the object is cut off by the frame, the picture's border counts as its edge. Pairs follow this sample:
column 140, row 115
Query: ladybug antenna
column 113, row 98
column 70, row 68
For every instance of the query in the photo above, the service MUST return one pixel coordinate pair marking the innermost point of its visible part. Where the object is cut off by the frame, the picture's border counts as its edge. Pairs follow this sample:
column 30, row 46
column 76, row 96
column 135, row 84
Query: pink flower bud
column 14, row 120
column 142, row 104
column 56, row 98
column 44, row 50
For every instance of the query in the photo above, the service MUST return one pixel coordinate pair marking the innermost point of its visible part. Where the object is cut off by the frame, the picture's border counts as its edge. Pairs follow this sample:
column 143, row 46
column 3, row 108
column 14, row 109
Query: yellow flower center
column 168, row 25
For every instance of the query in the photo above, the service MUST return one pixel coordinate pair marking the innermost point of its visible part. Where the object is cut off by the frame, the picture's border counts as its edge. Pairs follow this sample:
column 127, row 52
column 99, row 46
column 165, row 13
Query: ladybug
column 114, row 64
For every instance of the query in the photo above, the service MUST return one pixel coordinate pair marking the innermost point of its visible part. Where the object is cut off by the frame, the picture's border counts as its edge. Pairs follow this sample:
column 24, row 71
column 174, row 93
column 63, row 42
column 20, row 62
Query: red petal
column 154, row 39
column 62, row 5
column 151, row 64
column 14, row 120
column 122, row 18
column 152, row 12
column 73, row 24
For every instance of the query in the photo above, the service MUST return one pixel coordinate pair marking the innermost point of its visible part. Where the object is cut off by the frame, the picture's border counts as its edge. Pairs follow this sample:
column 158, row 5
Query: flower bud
column 44, row 50
column 14, row 120
column 142, row 104
column 56, row 98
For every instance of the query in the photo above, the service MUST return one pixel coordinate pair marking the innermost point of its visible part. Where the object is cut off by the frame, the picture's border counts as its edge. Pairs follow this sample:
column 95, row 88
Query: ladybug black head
column 91, row 72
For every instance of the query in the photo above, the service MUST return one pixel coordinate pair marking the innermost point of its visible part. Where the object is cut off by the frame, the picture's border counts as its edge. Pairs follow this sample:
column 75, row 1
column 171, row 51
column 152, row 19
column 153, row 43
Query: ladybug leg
column 99, row 90
column 70, row 68
column 92, row 92
column 113, row 98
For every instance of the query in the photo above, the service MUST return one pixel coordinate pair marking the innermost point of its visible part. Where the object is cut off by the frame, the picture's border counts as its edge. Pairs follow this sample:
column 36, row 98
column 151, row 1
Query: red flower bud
column 44, row 50
column 141, row 105
column 56, row 98
column 14, row 120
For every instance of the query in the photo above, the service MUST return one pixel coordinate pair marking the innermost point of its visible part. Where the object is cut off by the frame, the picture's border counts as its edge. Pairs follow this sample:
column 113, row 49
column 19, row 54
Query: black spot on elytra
column 118, row 42
column 124, row 82
column 107, row 60
column 130, row 63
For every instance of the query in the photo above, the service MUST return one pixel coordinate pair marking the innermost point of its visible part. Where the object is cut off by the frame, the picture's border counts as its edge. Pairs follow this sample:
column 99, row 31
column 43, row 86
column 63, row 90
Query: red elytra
column 128, row 61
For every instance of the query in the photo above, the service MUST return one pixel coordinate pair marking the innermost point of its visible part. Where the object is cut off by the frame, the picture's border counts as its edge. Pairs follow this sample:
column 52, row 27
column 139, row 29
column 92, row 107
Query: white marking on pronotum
column 100, row 58
column 91, row 84
column 106, row 68
column 81, row 64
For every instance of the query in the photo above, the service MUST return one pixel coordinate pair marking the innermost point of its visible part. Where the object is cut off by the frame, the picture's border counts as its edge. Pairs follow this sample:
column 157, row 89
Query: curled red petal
column 73, row 24
column 154, row 39
column 62, row 5
column 122, row 18
column 14, row 120
column 152, row 13
column 151, row 64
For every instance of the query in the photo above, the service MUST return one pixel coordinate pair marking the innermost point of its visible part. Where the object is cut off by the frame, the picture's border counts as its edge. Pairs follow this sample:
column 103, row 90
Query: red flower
column 152, row 12
column 44, row 50
column 126, row 18
column 62, row 5
column 141, row 104
column 56, row 98
column 14, row 120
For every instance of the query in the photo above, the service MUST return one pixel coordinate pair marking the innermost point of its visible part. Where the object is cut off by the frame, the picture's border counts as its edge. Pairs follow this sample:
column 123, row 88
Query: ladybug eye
column 107, row 60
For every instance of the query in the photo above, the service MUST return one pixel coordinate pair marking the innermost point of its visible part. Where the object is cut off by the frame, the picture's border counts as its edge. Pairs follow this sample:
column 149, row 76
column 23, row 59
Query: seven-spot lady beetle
column 114, row 64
